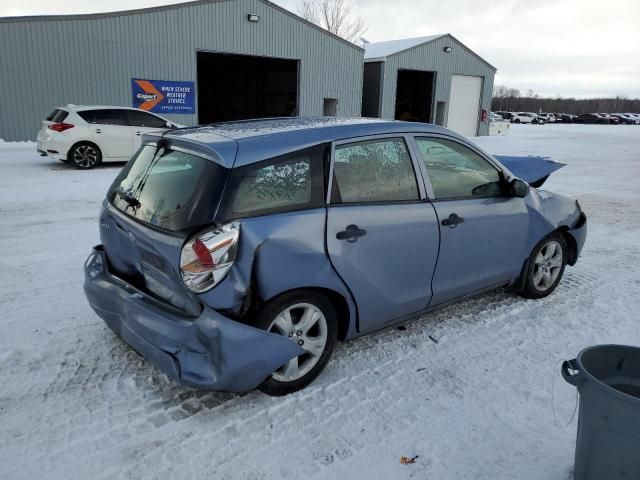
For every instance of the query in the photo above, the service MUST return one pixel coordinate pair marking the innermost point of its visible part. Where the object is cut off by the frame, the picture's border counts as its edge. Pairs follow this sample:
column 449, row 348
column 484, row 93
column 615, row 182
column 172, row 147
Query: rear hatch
column 57, row 116
column 161, row 197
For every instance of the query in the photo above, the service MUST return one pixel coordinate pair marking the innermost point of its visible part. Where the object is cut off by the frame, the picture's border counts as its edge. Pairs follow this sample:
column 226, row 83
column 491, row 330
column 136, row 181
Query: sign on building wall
column 162, row 96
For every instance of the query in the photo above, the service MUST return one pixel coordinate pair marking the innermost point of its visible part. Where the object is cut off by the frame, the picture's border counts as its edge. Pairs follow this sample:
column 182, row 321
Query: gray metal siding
column 54, row 61
column 431, row 57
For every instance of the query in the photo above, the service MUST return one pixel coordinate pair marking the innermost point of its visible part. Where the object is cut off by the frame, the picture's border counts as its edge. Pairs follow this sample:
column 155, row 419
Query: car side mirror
column 519, row 188
column 169, row 125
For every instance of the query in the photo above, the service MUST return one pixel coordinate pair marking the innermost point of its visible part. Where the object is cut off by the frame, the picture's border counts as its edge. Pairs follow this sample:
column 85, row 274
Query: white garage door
column 464, row 105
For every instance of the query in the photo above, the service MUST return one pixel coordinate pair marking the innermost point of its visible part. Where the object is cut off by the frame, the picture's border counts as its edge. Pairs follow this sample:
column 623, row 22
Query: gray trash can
column 608, row 442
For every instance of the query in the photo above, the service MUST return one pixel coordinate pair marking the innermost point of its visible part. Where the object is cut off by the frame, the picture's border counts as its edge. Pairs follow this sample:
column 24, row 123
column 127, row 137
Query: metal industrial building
column 235, row 59
column 432, row 79
column 245, row 58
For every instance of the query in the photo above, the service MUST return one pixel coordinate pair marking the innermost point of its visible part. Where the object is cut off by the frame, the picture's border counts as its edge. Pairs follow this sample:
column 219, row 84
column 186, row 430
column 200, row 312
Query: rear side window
column 142, row 119
column 109, row 116
column 373, row 171
column 290, row 182
column 169, row 189
column 57, row 116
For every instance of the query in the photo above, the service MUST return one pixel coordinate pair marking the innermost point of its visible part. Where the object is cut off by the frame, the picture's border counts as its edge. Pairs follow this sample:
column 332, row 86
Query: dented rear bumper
column 210, row 351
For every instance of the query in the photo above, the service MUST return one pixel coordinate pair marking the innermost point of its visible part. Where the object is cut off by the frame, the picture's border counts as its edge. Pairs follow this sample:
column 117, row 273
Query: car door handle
column 351, row 233
column 98, row 130
column 138, row 133
column 452, row 221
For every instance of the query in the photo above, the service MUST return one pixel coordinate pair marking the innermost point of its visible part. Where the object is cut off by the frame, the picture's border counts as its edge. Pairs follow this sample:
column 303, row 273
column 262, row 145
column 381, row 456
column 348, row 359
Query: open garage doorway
column 236, row 87
column 414, row 96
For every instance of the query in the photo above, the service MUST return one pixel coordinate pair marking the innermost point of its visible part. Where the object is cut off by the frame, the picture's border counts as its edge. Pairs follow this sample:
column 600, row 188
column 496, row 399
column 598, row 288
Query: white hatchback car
column 526, row 117
column 86, row 136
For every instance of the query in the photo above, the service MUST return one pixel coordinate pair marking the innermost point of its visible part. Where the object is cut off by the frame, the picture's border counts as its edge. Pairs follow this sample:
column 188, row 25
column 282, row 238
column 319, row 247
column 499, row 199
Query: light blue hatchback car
column 237, row 255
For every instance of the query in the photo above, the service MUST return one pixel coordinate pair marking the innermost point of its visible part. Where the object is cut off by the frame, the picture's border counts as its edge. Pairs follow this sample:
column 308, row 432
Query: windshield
column 57, row 116
column 168, row 189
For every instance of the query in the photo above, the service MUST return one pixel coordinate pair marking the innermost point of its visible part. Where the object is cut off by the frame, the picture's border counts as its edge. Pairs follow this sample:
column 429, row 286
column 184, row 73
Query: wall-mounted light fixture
column 447, row 49
column 253, row 17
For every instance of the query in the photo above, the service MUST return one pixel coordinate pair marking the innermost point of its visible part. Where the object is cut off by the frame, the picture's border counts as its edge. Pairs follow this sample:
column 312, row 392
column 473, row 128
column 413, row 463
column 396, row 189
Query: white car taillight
column 207, row 257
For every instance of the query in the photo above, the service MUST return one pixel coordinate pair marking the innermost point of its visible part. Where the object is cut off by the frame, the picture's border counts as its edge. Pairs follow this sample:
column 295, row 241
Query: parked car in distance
column 567, row 118
column 626, row 119
column 634, row 115
column 85, row 136
column 526, row 117
column 547, row 117
column 494, row 117
column 610, row 118
column 506, row 115
column 237, row 255
column 591, row 118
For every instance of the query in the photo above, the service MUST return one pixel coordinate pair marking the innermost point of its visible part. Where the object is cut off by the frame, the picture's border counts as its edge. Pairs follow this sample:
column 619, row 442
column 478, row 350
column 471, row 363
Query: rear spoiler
column 533, row 170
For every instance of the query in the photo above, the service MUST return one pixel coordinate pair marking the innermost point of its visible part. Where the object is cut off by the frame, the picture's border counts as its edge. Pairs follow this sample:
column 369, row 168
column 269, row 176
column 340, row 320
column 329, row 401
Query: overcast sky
column 568, row 47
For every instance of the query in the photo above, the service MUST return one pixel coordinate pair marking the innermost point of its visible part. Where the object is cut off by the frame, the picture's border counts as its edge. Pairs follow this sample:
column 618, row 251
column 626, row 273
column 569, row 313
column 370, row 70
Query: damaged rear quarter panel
column 278, row 253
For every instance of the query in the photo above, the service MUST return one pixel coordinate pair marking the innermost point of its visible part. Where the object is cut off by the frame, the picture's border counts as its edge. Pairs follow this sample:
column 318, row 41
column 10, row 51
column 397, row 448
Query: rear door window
column 290, row 182
column 377, row 170
column 169, row 189
column 142, row 119
column 88, row 115
column 109, row 116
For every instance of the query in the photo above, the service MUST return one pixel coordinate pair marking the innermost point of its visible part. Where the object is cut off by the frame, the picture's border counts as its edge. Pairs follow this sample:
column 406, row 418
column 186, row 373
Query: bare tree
column 336, row 16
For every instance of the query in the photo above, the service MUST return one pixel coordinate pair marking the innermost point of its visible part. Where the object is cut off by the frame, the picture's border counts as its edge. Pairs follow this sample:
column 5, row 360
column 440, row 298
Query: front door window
column 457, row 171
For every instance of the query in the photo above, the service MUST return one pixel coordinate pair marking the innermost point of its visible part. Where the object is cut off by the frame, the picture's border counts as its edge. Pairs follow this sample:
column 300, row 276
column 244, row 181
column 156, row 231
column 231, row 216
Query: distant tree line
column 512, row 100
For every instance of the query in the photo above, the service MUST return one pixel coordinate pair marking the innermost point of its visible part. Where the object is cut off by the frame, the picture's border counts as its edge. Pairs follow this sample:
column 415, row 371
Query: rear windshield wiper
column 132, row 202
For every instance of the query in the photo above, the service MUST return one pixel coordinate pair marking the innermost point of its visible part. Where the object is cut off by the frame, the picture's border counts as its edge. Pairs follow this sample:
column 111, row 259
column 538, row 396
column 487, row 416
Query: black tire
column 267, row 315
column 85, row 155
column 517, row 120
column 534, row 289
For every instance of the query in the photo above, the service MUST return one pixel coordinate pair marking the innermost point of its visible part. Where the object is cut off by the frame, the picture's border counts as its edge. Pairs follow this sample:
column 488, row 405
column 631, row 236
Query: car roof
column 81, row 108
column 256, row 140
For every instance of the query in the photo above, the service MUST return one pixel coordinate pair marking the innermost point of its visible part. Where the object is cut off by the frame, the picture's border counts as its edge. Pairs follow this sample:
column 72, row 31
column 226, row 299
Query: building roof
column 257, row 140
column 382, row 50
column 161, row 8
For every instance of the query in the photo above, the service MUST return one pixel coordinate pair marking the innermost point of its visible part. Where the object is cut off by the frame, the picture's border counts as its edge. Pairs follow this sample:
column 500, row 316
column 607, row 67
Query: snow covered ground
column 76, row 403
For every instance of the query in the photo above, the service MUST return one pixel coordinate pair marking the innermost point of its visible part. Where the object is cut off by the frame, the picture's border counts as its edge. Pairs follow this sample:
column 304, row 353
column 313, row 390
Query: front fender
column 549, row 212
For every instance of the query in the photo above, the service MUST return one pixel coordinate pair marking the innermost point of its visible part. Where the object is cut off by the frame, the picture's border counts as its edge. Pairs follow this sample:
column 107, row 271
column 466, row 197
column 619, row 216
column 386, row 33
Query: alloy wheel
column 306, row 325
column 547, row 265
column 85, row 156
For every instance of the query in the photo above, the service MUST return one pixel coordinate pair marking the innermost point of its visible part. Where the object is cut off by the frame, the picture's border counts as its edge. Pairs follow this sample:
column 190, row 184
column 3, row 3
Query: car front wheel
column 85, row 155
column 309, row 320
column 546, row 266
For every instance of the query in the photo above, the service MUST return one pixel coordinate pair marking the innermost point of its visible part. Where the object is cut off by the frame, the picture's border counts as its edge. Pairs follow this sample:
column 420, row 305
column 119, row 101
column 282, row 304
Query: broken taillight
column 207, row 257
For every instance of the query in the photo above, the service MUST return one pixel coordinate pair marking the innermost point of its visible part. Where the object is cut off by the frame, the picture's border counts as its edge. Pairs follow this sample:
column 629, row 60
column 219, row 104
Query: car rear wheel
column 308, row 319
column 517, row 120
column 546, row 266
column 85, row 155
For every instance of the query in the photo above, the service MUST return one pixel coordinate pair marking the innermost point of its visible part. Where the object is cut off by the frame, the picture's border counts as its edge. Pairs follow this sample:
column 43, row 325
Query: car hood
column 533, row 170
